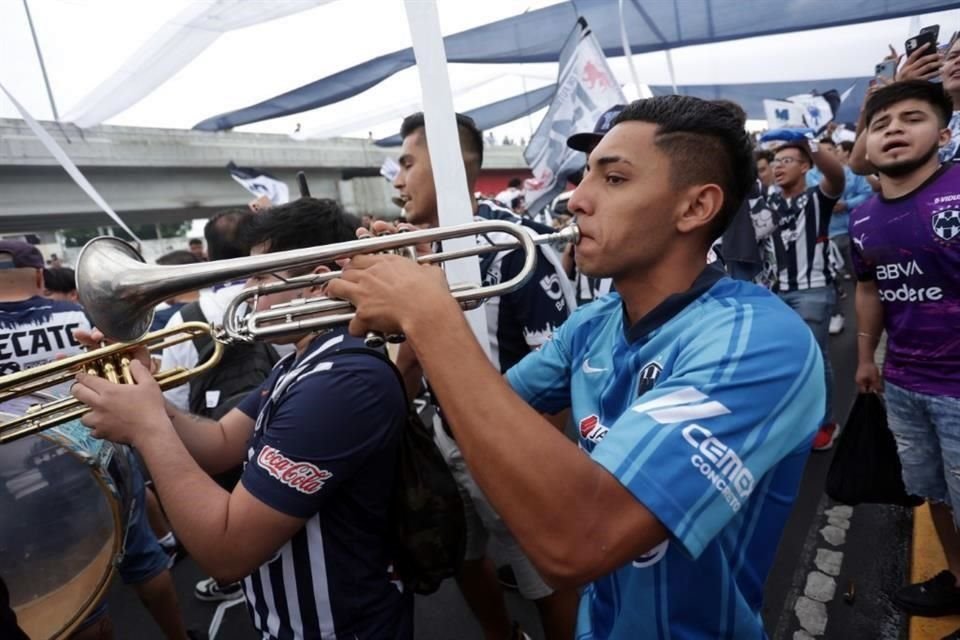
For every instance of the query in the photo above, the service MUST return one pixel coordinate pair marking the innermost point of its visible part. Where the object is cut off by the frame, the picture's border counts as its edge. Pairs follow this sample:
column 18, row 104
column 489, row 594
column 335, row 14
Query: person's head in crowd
column 414, row 181
column 906, row 124
column 950, row 72
column 791, row 161
column 763, row 159
column 515, row 183
column 828, row 145
column 661, row 185
column 306, row 222
column 54, row 262
column 179, row 257
column 366, row 220
column 221, row 234
column 176, row 258
column 844, row 148
column 21, row 271
column 519, row 205
column 60, row 283
column 196, row 247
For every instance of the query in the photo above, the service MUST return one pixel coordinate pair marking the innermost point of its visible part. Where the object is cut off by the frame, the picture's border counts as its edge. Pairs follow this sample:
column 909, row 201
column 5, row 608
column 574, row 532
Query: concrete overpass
column 169, row 175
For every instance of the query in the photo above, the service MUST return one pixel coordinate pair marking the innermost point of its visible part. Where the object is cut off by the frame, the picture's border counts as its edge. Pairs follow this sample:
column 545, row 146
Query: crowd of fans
column 291, row 446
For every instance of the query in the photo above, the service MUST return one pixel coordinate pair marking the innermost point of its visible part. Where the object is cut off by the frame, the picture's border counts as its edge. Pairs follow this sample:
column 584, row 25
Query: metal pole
column 43, row 67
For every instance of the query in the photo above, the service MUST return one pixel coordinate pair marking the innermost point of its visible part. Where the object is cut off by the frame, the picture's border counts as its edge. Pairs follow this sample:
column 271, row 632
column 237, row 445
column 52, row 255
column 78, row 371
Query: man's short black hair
column 799, row 146
column 706, row 143
column 60, row 279
column 847, row 145
column 221, row 235
column 763, row 154
column 515, row 183
column 194, row 241
column 829, row 141
column 179, row 257
column 471, row 138
column 929, row 92
column 306, row 222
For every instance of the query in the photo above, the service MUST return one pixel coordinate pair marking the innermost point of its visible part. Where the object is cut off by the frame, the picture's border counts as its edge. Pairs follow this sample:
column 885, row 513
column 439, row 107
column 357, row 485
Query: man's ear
column 702, row 206
column 317, row 270
column 945, row 135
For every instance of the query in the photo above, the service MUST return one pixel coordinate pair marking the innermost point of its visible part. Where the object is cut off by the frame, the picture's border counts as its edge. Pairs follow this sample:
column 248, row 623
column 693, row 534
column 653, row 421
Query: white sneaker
column 836, row 324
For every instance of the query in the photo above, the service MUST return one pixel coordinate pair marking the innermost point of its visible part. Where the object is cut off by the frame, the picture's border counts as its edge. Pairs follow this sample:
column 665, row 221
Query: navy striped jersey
column 35, row 331
column 521, row 321
column 798, row 248
column 324, row 448
column 705, row 411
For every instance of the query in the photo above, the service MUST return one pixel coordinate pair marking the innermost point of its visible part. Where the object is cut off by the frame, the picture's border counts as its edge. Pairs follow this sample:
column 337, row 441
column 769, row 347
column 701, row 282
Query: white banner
column 61, row 156
column 781, row 113
column 178, row 42
column 586, row 88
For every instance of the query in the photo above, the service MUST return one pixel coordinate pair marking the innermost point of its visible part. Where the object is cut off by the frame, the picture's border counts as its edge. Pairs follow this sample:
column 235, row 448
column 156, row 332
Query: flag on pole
column 782, row 113
column 818, row 109
column 260, row 184
column 586, row 88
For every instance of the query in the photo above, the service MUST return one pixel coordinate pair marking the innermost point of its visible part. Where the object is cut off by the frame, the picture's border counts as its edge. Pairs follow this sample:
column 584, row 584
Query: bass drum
column 60, row 523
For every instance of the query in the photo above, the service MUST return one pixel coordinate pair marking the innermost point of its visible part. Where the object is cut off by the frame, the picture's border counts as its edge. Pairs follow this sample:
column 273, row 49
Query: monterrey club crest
column 648, row 377
column 946, row 224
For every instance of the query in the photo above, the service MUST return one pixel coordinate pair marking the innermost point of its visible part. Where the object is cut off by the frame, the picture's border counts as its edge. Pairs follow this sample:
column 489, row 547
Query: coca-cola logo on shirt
column 302, row 476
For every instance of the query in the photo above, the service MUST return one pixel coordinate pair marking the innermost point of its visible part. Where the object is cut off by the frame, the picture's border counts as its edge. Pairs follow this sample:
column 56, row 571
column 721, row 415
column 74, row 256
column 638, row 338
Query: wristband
column 867, row 335
column 814, row 145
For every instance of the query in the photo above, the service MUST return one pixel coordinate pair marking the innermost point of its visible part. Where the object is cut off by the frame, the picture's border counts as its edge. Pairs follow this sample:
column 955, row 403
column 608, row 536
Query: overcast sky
column 84, row 41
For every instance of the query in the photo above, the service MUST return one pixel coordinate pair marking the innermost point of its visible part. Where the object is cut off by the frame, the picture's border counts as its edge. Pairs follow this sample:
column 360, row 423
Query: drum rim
column 99, row 592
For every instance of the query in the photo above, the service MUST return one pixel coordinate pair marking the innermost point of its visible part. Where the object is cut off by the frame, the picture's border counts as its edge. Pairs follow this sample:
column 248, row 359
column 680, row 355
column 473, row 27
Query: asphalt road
column 874, row 547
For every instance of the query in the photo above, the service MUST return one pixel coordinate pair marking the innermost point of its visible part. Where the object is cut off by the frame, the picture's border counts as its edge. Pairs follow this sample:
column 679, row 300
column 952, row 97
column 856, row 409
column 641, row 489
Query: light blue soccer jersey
column 705, row 411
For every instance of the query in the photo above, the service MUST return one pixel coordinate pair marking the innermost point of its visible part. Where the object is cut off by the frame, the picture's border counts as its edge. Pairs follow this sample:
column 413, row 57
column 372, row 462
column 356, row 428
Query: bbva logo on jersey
column 946, row 224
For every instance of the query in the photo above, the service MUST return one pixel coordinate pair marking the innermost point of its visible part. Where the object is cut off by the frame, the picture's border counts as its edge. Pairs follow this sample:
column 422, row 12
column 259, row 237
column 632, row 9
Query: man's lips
column 893, row 145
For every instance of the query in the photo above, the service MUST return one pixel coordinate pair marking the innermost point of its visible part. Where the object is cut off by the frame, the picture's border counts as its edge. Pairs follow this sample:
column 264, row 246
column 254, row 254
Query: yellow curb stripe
column 926, row 561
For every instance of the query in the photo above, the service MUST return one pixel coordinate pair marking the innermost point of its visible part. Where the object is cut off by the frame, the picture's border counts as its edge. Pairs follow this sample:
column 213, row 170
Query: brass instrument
column 111, row 362
column 119, row 292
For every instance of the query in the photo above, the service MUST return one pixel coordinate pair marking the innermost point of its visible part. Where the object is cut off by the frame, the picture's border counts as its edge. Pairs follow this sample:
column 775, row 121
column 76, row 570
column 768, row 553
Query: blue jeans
column 815, row 306
column 927, row 430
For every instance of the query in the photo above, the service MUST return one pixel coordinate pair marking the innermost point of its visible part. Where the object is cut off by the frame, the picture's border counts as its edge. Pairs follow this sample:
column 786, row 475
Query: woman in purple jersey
column 906, row 252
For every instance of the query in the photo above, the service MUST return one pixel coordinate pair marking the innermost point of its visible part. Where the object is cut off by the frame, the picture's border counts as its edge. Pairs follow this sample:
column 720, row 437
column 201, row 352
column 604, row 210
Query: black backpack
column 429, row 528
column 243, row 367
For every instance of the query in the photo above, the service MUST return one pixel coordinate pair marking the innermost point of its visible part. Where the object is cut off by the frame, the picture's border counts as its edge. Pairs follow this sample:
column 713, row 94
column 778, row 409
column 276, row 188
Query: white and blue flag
column 586, row 88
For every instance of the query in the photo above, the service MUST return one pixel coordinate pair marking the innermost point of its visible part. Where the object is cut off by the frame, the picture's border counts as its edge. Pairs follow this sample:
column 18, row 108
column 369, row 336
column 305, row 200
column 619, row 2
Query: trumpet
column 119, row 292
column 111, row 362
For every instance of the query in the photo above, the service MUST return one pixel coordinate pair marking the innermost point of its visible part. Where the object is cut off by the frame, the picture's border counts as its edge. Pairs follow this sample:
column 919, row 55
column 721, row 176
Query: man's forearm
column 533, row 476
column 833, row 180
column 203, row 438
column 869, row 321
column 195, row 505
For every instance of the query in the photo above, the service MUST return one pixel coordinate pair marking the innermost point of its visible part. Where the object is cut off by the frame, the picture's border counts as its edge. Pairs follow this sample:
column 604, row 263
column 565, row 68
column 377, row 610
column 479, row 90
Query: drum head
column 58, row 531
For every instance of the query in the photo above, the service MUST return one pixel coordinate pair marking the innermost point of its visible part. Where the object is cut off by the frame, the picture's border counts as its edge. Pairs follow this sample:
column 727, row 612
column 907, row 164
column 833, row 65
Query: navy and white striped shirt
column 325, row 448
column 798, row 248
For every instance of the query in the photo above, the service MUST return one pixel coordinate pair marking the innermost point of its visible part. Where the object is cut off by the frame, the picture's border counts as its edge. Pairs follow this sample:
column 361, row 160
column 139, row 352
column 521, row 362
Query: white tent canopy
column 85, row 41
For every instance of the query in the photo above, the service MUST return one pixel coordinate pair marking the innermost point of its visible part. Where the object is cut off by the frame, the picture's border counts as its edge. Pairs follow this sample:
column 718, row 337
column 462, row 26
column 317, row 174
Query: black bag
column 243, row 367
column 866, row 466
column 429, row 528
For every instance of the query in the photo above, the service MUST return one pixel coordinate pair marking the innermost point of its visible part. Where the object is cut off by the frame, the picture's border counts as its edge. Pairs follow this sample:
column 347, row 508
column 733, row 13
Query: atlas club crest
column 648, row 377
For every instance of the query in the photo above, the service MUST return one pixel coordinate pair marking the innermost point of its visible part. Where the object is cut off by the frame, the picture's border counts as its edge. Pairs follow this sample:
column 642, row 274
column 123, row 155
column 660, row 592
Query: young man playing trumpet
column 697, row 397
column 306, row 528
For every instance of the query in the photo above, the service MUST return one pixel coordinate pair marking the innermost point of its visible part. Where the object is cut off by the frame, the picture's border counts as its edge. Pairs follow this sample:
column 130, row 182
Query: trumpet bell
column 114, row 295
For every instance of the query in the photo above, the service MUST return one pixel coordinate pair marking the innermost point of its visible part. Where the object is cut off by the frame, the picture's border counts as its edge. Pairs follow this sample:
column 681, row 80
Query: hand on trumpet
column 392, row 294
column 384, row 228
column 125, row 413
column 95, row 339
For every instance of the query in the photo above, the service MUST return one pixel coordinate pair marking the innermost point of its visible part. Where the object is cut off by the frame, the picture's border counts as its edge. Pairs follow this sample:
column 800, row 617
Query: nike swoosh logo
column 588, row 369
column 856, row 222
